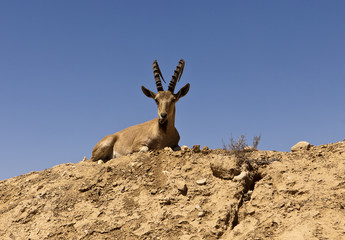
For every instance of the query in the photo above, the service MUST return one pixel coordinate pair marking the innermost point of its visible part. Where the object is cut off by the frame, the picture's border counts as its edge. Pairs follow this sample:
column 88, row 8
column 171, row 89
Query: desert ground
column 189, row 194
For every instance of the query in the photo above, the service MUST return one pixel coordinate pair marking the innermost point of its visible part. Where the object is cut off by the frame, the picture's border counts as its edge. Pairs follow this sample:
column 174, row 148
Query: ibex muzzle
column 155, row 134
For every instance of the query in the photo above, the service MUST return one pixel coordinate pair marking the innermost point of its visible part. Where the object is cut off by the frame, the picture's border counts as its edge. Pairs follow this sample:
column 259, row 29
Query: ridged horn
column 177, row 75
column 157, row 74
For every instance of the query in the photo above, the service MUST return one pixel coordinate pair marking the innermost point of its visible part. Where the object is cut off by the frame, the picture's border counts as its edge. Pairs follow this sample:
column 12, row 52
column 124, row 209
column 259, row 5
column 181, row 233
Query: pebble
column 168, row 149
column 181, row 185
column 153, row 191
column 185, row 148
column 201, row 214
column 240, row 177
column 303, row 145
column 201, row 181
column 205, row 149
column 196, row 148
column 100, row 162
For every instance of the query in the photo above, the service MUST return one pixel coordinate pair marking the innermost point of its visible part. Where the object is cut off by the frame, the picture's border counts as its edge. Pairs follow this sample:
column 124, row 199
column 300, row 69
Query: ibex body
column 155, row 134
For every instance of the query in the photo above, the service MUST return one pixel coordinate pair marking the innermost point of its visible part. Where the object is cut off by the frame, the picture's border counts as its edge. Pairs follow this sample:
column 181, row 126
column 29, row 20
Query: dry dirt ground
column 182, row 195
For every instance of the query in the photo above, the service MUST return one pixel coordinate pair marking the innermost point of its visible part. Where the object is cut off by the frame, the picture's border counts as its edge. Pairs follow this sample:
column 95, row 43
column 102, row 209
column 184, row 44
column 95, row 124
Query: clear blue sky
column 71, row 73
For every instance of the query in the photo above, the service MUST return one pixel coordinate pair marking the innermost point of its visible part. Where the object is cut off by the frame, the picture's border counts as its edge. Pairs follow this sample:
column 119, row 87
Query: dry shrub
column 240, row 147
column 256, row 141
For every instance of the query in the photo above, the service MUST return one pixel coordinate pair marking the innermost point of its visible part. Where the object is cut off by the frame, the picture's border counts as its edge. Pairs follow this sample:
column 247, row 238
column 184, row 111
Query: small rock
column 168, row 149
column 201, row 214
column 197, row 207
column 225, row 167
column 181, row 185
column 183, row 222
column 153, row 191
column 240, row 177
column 100, row 162
column 205, row 149
column 144, row 149
column 201, row 181
column 165, row 201
column 85, row 159
column 281, row 205
column 185, row 148
column 196, row 148
column 303, row 145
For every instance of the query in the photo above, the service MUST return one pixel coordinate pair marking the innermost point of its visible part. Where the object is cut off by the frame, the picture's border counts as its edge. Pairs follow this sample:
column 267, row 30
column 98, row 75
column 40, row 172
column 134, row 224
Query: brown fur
column 154, row 134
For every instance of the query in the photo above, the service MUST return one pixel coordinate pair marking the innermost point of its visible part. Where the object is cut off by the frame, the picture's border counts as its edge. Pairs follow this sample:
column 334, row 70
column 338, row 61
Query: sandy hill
column 188, row 194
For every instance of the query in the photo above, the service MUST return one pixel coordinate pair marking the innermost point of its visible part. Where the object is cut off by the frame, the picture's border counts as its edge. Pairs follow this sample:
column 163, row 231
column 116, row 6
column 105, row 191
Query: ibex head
column 166, row 99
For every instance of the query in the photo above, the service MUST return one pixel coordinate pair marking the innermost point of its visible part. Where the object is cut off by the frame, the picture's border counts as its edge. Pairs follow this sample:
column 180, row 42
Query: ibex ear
column 148, row 93
column 183, row 91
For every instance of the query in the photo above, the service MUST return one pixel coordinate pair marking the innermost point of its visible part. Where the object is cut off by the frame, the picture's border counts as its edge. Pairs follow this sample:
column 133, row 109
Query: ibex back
column 155, row 134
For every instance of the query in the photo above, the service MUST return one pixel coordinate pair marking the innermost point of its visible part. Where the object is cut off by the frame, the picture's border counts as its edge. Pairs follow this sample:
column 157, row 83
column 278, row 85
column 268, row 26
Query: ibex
column 155, row 134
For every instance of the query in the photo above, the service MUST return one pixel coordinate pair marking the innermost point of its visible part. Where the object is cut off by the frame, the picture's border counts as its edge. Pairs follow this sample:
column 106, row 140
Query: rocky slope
column 189, row 194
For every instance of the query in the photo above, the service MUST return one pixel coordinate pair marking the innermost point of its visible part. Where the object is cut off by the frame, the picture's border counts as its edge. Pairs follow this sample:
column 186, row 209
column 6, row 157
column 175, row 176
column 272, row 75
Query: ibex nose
column 163, row 115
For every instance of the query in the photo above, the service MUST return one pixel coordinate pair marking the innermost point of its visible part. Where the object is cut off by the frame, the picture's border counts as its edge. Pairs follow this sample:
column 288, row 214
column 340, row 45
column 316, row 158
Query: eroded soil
column 182, row 195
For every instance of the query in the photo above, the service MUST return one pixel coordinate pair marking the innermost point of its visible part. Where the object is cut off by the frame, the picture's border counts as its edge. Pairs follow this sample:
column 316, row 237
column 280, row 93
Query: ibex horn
column 177, row 76
column 157, row 74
